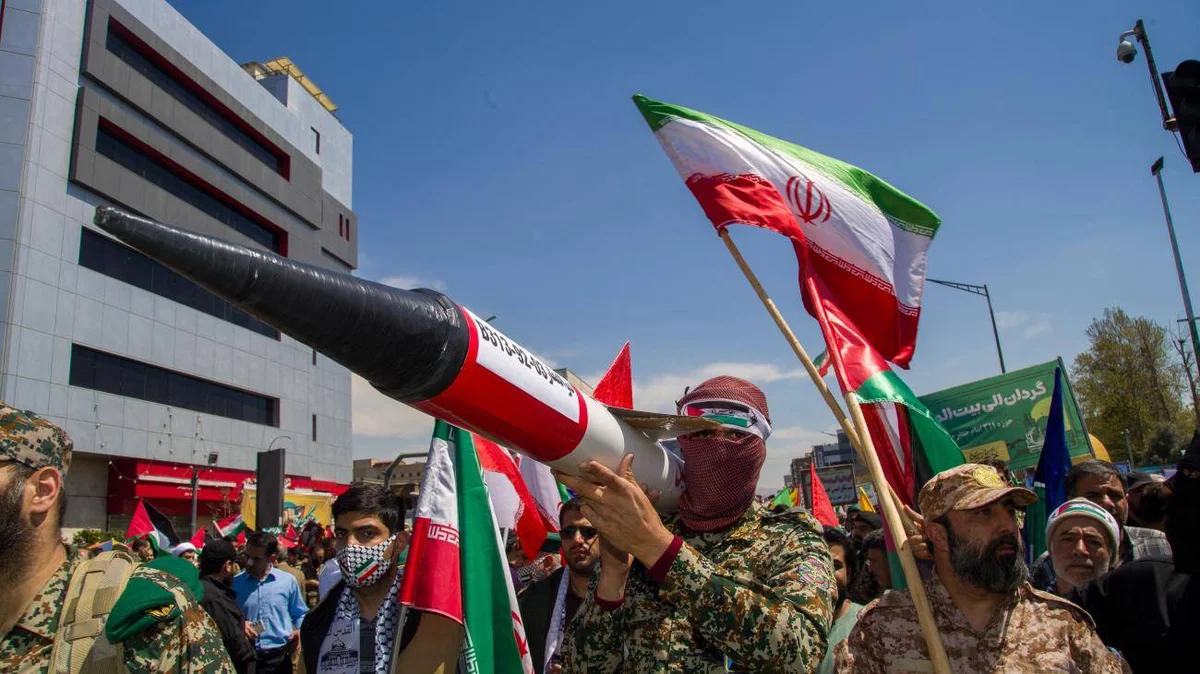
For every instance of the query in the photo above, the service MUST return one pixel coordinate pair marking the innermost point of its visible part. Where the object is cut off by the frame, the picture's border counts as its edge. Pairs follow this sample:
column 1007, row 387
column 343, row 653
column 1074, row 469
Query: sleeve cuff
column 659, row 571
column 608, row 605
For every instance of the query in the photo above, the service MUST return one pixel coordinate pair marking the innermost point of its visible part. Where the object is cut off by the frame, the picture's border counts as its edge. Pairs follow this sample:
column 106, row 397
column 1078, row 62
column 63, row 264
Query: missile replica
column 421, row 348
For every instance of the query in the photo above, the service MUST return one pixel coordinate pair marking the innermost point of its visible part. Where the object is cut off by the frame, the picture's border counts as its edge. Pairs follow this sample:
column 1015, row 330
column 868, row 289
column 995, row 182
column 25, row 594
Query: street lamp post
column 1156, row 170
column 979, row 290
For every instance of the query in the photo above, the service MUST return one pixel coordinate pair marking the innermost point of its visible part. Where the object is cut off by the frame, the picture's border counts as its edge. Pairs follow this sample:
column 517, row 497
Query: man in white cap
column 1083, row 540
column 185, row 550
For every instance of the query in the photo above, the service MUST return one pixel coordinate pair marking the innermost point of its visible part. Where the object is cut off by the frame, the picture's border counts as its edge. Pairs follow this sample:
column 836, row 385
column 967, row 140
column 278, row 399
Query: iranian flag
column 861, row 245
column 456, row 564
column 864, row 238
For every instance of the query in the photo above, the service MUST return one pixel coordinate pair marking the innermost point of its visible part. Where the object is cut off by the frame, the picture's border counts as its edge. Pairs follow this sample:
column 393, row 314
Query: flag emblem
column 809, row 202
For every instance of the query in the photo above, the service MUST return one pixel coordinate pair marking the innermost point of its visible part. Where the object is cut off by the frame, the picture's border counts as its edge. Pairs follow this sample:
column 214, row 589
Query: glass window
column 104, row 255
column 121, row 376
column 157, row 172
column 146, row 62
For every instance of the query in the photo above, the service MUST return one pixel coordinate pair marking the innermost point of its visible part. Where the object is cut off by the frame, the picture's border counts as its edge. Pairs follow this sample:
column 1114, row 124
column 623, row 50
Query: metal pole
column 1156, row 170
column 1139, row 30
column 995, row 330
column 195, row 488
column 1129, row 449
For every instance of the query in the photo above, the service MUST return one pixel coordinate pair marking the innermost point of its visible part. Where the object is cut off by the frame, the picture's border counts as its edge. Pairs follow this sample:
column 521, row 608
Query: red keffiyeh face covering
column 720, row 473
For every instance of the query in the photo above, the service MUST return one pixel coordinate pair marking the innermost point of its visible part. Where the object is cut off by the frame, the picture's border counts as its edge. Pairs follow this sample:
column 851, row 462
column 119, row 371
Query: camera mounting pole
column 1139, row 32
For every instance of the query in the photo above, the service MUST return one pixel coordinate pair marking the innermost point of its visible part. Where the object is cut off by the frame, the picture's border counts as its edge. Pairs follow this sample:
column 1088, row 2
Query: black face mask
column 1183, row 524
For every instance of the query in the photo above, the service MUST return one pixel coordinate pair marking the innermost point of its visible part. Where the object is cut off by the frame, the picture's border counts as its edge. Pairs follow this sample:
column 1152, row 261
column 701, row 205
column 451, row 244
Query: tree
column 1128, row 379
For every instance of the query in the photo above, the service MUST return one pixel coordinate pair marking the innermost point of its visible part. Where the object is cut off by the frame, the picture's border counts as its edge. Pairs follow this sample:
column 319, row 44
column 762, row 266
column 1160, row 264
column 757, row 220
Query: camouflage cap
column 32, row 441
column 967, row 487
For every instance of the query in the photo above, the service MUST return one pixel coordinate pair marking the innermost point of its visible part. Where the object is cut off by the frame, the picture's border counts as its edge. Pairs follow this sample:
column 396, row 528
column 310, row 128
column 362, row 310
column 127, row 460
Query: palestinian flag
column 456, row 563
column 148, row 521
column 863, row 238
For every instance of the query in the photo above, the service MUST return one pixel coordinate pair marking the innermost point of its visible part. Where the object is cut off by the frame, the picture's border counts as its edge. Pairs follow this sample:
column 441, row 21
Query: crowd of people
column 728, row 583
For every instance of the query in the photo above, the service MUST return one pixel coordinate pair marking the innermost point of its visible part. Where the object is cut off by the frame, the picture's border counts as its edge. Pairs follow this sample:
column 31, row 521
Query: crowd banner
column 1004, row 417
column 839, row 485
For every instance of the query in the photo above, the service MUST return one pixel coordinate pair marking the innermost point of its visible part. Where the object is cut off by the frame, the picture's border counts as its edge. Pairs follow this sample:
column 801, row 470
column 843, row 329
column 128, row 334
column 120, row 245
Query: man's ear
column 47, row 486
column 937, row 536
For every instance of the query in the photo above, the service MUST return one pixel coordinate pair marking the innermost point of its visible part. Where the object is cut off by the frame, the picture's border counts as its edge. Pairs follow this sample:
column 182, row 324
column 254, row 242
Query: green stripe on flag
column 732, row 421
column 937, row 450
column 902, row 210
column 487, row 610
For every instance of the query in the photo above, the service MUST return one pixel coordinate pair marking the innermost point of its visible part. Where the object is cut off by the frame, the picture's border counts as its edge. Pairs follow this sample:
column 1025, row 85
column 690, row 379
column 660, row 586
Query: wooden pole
column 860, row 437
column 891, row 512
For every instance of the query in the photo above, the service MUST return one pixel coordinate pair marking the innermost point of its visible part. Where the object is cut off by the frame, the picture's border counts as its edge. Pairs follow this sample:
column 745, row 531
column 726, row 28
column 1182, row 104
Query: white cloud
column 409, row 282
column 376, row 415
column 1042, row 327
column 659, row 393
column 1011, row 319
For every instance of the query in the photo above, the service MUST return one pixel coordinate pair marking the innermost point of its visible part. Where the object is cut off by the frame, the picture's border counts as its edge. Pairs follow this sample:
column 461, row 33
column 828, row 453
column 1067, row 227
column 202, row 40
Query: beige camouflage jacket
column 188, row 644
column 1033, row 632
column 760, row 593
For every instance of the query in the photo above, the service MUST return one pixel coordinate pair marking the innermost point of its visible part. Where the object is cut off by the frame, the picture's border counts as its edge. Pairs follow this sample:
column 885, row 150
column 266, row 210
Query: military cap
column 32, row 441
column 967, row 487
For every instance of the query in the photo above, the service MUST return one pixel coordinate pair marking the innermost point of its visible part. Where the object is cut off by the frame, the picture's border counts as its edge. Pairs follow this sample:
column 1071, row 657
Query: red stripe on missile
column 507, row 394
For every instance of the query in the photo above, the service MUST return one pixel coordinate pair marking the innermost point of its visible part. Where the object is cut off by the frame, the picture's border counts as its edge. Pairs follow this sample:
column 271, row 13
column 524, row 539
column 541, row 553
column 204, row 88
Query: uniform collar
column 943, row 603
column 41, row 616
column 744, row 528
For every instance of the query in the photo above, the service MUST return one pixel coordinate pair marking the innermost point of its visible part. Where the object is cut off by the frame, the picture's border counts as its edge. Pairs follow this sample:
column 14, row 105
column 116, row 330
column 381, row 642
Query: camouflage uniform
column 1031, row 631
column 174, row 641
column 760, row 592
column 188, row 643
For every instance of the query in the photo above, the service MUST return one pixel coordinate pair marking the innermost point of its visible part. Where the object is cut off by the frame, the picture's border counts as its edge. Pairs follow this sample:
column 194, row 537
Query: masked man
column 722, row 585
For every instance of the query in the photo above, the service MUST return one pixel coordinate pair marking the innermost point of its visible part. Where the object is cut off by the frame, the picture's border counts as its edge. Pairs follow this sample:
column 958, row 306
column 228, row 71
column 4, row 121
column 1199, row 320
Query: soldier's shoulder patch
column 1057, row 602
column 816, row 572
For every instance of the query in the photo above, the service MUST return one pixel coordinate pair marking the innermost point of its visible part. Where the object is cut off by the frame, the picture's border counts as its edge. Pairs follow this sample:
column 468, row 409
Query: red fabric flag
column 616, row 386
column 199, row 538
column 822, row 509
column 531, row 528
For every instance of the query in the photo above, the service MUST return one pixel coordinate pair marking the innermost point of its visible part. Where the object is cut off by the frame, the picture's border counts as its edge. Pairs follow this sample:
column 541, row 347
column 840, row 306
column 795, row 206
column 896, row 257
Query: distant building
column 406, row 477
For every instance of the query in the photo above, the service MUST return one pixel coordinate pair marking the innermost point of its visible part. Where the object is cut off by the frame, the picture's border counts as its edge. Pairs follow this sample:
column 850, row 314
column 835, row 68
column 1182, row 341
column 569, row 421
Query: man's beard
column 982, row 568
column 584, row 568
column 841, row 595
column 16, row 535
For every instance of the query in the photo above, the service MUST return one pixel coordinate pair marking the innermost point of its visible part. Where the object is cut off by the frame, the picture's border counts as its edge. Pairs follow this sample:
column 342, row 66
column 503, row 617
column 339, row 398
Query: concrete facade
column 58, row 84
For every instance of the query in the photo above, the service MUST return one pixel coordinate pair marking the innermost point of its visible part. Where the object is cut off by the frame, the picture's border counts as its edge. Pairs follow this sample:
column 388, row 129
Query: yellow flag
column 864, row 503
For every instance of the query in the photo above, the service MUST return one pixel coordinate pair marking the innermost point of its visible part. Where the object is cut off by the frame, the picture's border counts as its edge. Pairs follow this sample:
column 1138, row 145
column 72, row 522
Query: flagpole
column 860, row 437
column 834, row 406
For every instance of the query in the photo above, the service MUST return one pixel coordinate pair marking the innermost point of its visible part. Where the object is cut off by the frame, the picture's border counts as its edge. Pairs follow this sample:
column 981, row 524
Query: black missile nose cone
column 408, row 344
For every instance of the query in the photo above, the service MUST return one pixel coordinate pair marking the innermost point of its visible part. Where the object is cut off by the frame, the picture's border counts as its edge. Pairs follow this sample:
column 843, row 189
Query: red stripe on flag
column 744, row 199
column 883, row 323
column 432, row 575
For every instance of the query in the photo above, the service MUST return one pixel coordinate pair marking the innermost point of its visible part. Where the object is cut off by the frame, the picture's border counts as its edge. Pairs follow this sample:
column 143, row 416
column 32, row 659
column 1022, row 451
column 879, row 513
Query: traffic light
column 1183, row 88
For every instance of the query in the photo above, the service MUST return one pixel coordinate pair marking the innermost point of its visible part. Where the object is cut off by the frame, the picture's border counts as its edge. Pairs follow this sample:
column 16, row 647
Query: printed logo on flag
column 808, row 201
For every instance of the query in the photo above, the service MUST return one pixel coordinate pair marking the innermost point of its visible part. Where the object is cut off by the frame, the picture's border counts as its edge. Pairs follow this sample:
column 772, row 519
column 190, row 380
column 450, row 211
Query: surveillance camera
column 1126, row 51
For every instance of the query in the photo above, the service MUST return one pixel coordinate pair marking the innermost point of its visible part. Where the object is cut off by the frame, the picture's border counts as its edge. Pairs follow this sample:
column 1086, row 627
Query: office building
column 125, row 102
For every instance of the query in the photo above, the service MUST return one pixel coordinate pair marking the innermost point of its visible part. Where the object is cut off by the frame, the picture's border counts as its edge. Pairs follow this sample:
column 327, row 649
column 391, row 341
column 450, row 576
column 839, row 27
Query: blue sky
column 498, row 158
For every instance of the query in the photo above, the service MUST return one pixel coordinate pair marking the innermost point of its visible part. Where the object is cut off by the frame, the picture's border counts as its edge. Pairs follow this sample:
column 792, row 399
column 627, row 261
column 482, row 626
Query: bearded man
column 724, row 585
column 989, row 617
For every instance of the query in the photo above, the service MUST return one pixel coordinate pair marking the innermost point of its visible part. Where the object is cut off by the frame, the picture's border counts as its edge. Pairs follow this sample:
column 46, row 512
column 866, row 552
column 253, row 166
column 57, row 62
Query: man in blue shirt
column 273, row 603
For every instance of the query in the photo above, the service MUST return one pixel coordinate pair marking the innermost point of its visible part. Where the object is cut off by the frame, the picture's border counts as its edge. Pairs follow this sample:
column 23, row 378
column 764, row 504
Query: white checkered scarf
column 720, row 475
column 388, row 621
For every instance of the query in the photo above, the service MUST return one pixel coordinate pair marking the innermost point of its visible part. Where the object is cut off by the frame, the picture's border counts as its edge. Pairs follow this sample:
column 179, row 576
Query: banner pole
column 860, row 437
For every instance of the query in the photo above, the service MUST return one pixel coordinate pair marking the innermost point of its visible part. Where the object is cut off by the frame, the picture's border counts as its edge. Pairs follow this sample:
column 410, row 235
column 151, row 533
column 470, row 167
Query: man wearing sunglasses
column 723, row 585
column 550, row 604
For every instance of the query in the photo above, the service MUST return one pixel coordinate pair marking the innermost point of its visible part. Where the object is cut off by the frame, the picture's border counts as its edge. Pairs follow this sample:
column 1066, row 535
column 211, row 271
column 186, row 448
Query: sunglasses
column 588, row 533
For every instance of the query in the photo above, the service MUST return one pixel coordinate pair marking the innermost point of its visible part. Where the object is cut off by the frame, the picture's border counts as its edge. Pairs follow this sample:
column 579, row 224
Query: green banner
column 1005, row 417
